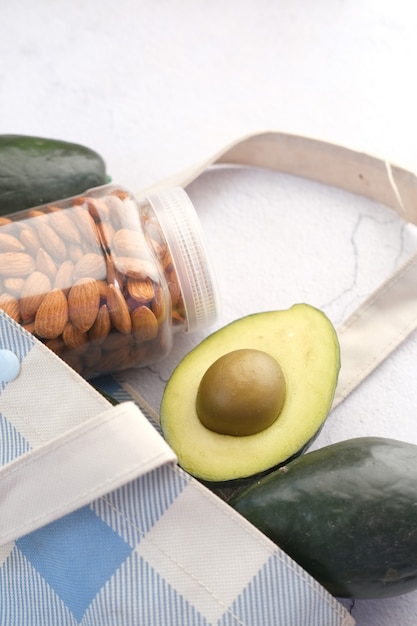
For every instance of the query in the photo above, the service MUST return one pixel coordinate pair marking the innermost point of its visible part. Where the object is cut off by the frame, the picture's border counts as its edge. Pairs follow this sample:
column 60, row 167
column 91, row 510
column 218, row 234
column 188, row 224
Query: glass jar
column 105, row 280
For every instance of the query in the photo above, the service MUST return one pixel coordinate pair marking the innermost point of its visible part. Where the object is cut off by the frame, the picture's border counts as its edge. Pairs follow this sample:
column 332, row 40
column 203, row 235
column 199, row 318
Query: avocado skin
column 347, row 513
column 226, row 489
column 35, row 170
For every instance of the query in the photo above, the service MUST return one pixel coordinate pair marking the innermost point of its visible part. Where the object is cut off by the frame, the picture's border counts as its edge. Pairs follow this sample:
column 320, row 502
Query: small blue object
column 9, row 366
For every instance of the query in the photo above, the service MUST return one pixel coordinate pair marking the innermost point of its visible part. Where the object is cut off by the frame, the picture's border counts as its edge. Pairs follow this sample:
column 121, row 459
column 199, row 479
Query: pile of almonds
column 93, row 279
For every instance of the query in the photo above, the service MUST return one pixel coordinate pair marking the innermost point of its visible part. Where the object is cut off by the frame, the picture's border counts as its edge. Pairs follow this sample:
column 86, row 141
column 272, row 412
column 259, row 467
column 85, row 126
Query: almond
column 30, row 327
column 113, row 276
column 16, row 264
column 136, row 268
column 102, row 324
column 178, row 315
column 92, row 355
column 116, row 340
column 159, row 306
column 121, row 216
column 36, row 213
column 52, row 315
column 98, row 209
column 79, row 201
column 64, row 225
column 51, row 241
column 9, row 243
column 105, row 232
column 102, row 287
column 30, row 240
column 14, row 285
column 90, row 265
column 141, row 290
column 166, row 259
column 73, row 359
column 118, row 309
column 144, row 324
column 10, row 305
column 114, row 360
column 129, row 217
column 56, row 345
column 64, row 276
column 174, row 288
column 83, row 303
column 163, row 254
column 75, row 252
column 87, row 228
column 36, row 286
column 45, row 263
column 121, row 194
column 132, row 243
column 74, row 339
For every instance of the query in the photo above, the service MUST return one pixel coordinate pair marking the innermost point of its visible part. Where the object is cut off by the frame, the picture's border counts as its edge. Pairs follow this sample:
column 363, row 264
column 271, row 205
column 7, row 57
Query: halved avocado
column 304, row 344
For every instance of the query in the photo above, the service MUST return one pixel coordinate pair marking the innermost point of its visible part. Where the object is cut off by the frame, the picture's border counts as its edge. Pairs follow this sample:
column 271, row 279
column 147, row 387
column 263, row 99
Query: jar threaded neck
column 182, row 231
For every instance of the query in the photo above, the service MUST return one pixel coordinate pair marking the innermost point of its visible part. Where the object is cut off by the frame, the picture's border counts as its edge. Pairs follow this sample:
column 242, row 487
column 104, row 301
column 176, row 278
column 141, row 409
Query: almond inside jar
column 93, row 279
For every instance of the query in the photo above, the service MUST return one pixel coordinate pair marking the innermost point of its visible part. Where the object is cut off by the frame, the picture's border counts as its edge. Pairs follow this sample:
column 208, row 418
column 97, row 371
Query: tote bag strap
column 83, row 464
column 382, row 322
column 70, row 445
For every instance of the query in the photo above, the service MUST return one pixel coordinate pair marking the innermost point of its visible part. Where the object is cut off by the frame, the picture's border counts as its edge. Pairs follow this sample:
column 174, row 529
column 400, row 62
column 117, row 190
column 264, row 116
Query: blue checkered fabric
column 159, row 551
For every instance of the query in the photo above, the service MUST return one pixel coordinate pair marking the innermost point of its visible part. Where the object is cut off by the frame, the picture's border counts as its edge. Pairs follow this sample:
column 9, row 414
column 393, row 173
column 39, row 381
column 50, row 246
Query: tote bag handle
column 389, row 315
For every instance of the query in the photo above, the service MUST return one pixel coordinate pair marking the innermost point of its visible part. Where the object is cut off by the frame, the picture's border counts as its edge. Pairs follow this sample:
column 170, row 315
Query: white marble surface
column 157, row 86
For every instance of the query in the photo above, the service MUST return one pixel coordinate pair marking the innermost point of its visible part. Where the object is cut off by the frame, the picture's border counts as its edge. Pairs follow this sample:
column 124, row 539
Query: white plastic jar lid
column 182, row 230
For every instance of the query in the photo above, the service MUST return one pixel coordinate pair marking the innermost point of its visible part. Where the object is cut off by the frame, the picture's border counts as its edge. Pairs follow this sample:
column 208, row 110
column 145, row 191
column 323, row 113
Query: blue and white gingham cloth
column 159, row 551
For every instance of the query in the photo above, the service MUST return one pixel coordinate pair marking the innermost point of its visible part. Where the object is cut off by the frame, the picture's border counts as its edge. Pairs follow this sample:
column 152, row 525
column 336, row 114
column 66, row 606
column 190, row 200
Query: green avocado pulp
column 241, row 393
column 304, row 343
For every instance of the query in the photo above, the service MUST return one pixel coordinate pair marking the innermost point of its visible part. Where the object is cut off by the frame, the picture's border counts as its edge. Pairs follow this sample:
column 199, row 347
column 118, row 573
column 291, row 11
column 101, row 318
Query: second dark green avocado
column 37, row 170
column 347, row 513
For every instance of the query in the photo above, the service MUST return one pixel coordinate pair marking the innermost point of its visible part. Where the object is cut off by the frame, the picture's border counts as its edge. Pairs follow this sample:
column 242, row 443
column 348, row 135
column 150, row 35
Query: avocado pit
column 242, row 393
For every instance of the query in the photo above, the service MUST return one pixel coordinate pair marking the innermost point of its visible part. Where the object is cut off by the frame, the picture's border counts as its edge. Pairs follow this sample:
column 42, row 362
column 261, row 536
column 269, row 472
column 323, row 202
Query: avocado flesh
column 305, row 344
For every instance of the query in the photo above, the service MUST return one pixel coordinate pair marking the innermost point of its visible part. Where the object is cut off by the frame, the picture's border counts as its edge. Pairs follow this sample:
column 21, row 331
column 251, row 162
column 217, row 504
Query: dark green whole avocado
column 347, row 513
column 36, row 170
